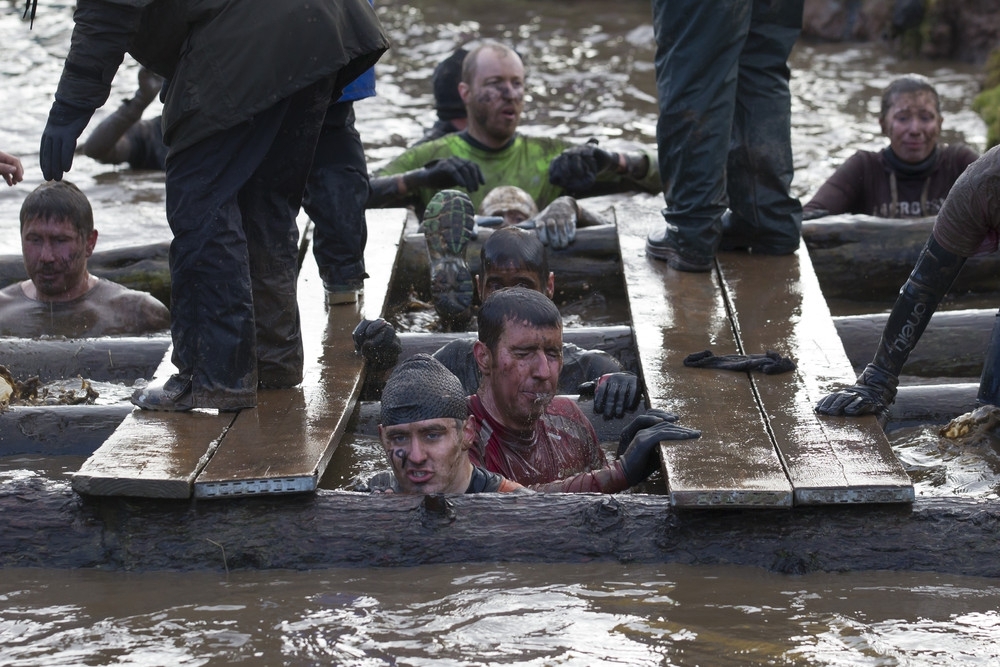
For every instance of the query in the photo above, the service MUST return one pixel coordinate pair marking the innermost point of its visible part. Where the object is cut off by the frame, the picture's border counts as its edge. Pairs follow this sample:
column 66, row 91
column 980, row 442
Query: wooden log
column 141, row 268
column 46, row 525
column 953, row 345
column 580, row 269
column 58, row 430
column 864, row 258
column 106, row 359
column 932, row 403
column 618, row 341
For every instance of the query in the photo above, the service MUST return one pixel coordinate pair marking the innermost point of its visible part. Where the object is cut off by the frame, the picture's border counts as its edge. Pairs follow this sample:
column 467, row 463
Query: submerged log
column 105, row 359
column 141, row 268
column 580, row 269
column 864, row 258
column 953, row 345
column 47, row 525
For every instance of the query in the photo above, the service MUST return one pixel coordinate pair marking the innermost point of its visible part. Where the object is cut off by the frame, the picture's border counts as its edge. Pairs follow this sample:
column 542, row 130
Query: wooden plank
column 734, row 463
column 777, row 304
column 154, row 454
column 285, row 443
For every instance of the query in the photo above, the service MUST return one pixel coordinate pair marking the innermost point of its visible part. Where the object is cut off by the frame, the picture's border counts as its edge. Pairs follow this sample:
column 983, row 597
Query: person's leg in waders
column 213, row 327
column 698, row 47
column 764, row 217
column 270, row 203
column 336, row 195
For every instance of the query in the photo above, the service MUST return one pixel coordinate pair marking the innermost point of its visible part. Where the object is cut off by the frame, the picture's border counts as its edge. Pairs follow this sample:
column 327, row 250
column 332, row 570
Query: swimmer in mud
column 60, row 296
column 526, row 432
column 426, row 431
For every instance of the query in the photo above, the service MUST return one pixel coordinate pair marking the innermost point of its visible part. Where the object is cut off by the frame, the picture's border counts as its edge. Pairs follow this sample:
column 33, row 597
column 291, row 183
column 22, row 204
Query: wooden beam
column 777, row 305
column 676, row 313
column 285, row 443
column 47, row 525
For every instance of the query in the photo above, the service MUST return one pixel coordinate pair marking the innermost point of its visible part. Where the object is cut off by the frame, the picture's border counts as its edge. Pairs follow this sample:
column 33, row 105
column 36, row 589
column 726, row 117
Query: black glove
column 641, row 455
column 441, row 174
column 614, row 393
column 576, row 169
column 873, row 394
column 377, row 342
column 769, row 363
column 65, row 125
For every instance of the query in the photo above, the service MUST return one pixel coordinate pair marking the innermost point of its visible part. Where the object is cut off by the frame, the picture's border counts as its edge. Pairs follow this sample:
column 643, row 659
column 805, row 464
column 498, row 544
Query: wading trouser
column 232, row 201
column 336, row 196
column 724, row 125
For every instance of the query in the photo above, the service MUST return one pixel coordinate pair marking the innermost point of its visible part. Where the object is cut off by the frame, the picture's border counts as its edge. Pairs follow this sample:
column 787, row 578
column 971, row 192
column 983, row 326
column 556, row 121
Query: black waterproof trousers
column 335, row 199
column 724, row 133
column 232, row 201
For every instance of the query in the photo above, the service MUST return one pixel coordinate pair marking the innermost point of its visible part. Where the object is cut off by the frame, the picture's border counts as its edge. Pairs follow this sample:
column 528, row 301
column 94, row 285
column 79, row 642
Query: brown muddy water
column 590, row 74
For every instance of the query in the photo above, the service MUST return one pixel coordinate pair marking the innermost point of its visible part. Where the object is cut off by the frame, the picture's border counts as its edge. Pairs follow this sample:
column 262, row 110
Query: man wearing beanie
column 426, row 431
column 447, row 102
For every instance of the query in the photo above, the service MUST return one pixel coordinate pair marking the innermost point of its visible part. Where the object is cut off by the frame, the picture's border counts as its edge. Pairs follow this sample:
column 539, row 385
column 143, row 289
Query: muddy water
column 590, row 75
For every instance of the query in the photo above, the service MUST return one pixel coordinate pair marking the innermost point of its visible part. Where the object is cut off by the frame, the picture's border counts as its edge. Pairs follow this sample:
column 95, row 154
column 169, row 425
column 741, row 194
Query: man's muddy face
column 495, row 99
column 55, row 256
column 428, row 456
column 524, row 372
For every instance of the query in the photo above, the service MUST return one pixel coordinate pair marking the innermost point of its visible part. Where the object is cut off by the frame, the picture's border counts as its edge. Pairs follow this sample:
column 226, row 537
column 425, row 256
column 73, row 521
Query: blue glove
column 65, row 125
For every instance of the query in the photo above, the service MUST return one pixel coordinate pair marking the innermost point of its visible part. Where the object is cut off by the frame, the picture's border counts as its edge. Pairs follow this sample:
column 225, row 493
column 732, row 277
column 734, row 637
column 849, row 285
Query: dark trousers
column 232, row 201
column 336, row 196
column 724, row 128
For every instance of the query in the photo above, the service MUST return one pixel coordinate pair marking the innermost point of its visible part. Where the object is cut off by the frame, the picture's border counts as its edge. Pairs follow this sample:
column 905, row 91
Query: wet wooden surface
column 762, row 443
column 776, row 304
column 282, row 445
column 734, row 462
column 153, row 454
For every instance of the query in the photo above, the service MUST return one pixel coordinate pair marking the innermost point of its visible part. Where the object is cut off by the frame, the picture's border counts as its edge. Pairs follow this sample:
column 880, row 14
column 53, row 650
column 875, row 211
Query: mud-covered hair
column 515, row 304
column 514, row 248
column 59, row 200
column 906, row 84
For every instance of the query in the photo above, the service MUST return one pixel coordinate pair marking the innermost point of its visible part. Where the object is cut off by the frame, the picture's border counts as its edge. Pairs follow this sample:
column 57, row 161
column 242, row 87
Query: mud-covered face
column 55, row 258
column 429, row 456
column 522, row 374
column 513, row 276
column 495, row 98
column 913, row 126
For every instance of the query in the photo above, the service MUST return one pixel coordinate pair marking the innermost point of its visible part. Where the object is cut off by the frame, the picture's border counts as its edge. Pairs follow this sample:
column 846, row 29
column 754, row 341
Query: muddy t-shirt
column 561, row 454
column 863, row 185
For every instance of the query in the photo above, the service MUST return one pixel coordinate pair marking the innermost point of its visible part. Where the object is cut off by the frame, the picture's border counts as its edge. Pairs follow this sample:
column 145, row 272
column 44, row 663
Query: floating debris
column 33, row 392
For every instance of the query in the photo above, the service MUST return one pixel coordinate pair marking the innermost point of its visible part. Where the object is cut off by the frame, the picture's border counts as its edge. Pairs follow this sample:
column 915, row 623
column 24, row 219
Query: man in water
column 490, row 153
column 426, row 431
column 529, row 434
column 515, row 257
column 60, row 296
column 910, row 177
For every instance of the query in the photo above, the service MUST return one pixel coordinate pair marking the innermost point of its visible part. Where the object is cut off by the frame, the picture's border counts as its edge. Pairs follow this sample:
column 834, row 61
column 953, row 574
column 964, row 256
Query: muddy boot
column 448, row 228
